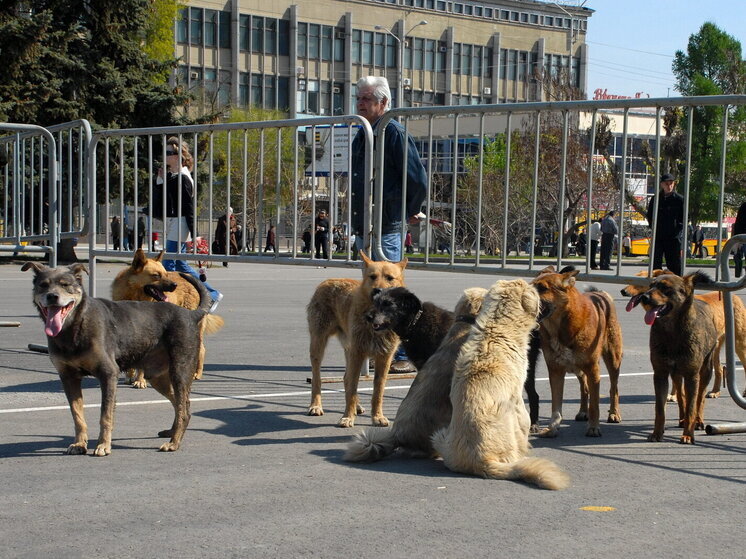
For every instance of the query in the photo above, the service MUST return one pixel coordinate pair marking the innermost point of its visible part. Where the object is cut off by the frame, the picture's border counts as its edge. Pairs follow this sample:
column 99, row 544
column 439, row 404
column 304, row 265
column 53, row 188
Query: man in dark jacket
column 669, row 226
column 373, row 99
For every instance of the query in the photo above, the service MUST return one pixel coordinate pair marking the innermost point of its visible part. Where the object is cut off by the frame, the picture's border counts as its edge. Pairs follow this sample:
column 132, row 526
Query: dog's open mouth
column 155, row 292
column 656, row 312
column 54, row 318
column 633, row 302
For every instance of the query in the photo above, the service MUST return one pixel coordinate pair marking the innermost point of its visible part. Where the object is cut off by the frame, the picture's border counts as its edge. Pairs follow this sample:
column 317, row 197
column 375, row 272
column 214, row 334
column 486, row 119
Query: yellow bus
column 640, row 234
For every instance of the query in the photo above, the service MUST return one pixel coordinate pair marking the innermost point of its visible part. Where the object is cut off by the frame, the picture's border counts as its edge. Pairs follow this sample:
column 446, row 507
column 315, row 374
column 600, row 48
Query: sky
column 632, row 42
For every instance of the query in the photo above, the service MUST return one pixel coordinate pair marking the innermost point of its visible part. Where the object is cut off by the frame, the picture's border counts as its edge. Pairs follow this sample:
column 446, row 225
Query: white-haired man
column 373, row 100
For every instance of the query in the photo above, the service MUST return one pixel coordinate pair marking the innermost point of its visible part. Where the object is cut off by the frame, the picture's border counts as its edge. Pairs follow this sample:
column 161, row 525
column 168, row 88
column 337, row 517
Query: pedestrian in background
column 669, row 225
column 609, row 231
column 595, row 236
column 739, row 228
column 322, row 235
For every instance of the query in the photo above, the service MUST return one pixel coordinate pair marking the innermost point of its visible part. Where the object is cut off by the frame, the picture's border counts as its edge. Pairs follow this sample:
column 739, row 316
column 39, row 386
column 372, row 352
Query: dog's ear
column 411, row 302
column 657, row 273
column 567, row 269
column 366, row 261
column 159, row 257
column 77, row 270
column 530, row 300
column 699, row 278
column 35, row 265
column 568, row 278
column 402, row 263
column 139, row 260
column 548, row 270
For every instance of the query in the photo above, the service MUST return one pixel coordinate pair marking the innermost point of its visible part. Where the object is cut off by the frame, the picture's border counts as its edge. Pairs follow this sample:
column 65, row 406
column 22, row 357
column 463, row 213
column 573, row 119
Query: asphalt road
column 257, row 477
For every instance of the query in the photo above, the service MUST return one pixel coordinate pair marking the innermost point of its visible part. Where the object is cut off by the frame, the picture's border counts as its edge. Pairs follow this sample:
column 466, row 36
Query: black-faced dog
column 420, row 326
column 95, row 337
column 683, row 340
column 423, row 326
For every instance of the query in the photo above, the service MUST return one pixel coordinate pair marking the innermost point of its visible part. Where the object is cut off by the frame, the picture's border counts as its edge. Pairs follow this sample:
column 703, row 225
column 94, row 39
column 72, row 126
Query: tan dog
column 683, row 340
column 338, row 308
column 488, row 432
column 147, row 280
column 427, row 406
column 715, row 300
column 577, row 330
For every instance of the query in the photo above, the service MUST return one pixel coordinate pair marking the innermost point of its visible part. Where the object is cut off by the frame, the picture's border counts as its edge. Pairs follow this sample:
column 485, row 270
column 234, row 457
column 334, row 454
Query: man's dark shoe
column 399, row 367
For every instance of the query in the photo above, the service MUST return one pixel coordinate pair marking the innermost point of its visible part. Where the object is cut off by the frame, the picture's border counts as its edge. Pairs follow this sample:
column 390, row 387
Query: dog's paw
column 139, row 383
column 699, row 426
column 168, row 447
column 102, row 449
column 77, row 448
column 655, row 437
column 671, row 398
column 360, row 409
column 165, row 434
column 534, row 429
column 315, row 410
column 548, row 432
column 346, row 422
column 581, row 416
column 686, row 439
column 614, row 418
column 380, row 421
column 593, row 432
column 713, row 394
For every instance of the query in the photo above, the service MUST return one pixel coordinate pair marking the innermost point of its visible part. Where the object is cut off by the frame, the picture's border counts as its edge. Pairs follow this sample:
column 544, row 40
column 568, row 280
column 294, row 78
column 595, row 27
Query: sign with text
column 329, row 155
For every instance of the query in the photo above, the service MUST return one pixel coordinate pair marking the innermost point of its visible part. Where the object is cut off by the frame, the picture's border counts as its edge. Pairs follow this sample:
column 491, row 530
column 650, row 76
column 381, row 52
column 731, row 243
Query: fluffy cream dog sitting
column 488, row 433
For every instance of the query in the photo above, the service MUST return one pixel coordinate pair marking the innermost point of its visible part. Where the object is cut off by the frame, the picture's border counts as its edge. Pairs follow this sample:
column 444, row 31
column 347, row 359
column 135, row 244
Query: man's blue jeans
column 183, row 266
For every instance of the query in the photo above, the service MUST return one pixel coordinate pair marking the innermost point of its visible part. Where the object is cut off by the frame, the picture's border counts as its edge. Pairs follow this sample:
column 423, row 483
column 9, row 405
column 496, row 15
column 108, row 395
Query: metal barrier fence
column 44, row 186
column 255, row 166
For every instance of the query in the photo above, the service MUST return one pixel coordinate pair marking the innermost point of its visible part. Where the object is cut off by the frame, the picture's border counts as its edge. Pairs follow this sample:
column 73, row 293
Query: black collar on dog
column 411, row 324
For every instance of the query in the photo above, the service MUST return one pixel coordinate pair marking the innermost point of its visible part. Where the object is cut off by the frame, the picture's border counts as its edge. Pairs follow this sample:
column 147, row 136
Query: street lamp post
column 400, row 40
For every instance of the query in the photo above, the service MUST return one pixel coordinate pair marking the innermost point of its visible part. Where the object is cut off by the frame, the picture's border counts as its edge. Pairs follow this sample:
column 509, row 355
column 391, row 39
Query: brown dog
column 147, row 280
column 715, row 300
column 338, row 308
column 577, row 330
column 683, row 341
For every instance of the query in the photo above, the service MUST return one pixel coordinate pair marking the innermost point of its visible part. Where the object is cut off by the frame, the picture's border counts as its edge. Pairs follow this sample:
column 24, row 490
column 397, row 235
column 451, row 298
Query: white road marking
column 249, row 396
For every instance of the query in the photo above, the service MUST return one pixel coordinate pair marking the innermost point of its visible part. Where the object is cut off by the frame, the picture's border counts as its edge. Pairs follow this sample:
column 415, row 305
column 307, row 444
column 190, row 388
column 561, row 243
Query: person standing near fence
column 669, row 225
column 595, row 235
column 739, row 228
column 609, row 230
column 321, row 237
column 373, row 100
column 271, row 239
column 178, row 229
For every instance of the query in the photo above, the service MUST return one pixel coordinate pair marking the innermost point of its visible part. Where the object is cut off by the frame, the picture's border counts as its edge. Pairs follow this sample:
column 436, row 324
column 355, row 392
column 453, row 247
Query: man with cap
column 669, row 225
column 609, row 231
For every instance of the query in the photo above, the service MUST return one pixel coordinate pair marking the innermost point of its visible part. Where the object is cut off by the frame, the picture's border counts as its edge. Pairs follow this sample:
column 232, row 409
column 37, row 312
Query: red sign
column 601, row 94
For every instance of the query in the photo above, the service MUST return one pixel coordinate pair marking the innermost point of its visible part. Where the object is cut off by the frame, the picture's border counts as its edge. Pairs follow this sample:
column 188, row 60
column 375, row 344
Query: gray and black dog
column 88, row 336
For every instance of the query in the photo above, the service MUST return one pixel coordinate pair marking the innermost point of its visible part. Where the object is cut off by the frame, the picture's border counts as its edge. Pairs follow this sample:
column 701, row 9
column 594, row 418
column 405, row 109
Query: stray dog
column 85, row 337
column 147, row 280
column 338, row 308
column 427, row 406
column 715, row 300
column 577, row 330
column 683, row 340
column 420, row 326
column 488, row 432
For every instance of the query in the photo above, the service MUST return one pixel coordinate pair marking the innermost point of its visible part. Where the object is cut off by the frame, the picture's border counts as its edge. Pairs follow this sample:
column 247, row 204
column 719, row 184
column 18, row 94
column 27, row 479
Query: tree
column 71, row 59
column 712, row 65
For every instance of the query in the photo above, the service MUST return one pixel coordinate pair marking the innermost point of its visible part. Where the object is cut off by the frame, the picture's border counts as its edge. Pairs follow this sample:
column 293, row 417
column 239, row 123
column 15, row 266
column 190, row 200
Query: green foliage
column 712, row 65
column 159, row 30
column 71, row 59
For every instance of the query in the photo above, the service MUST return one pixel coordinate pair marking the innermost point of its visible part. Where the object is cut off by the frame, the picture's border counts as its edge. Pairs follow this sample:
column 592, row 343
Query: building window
column 243, row 89
column 269, row 92
column 339, row 45
column 256, row 90
column 327, row 37
column 314, row 38
column 380, row 49
column 244, row 32
column 466, row 59
column 440, row 57
column 391, row 46
column 418, row 53
column 257, row 35
column 534, row 18
column 270, row 36
column 356, row 46
column 440, row 5
column 367, row 47
column 430, row 47
column 195, row 26
column 224, row 30
column 302, row 40
column 313, row 97
column 458, row 8
column 284, row 42
column 456, row 58
column 182, row 25
column 488, row 13
column 283, row 90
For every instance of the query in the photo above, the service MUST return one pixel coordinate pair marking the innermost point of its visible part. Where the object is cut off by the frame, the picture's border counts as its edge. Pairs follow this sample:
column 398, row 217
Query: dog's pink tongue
column 54, row 321
column 651, row 315
column 632, row 303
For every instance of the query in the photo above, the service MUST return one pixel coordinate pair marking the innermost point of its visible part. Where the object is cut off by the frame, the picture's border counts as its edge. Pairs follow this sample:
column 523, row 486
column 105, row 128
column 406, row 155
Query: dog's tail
column 210, row 323
column 371, row 445
column 538, row 471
